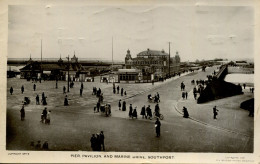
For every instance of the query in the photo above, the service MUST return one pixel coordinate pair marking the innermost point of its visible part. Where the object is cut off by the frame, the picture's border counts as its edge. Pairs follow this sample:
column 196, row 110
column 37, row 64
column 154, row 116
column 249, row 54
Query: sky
column 196, row 32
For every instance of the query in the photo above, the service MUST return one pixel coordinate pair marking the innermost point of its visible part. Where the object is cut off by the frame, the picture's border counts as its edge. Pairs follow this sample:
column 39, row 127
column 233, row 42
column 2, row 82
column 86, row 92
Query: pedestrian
column 48, row 118
column 185, row 112
column 80, row 91
column 215, row 112
column 244, row 85
column 44, row 115
column 158, row 127
column 38, row 145
column 125, row 93
column 82, row 86
column 93, row 141
column 253, row 90
column 152, row 82
column 44, row 101
column 98, row 106
column 118, row 89
column 186, row 95
column 149, row 112
column 45, row 145
column 102, row 138
column 11, row 90
column 64, row 89
column 43, row 96
column 157, row 110
column 22, row 89
column 22, row 111
column 158, row 97
column 143, row 112
column 114, row 90
column 195, row 95
column 37, row 100
column 134, row 114
column 34, row 87
column 124, row 106
column 119, row 104
column 130, row 110
column 66, row 102
column 122, row 91
column 98, row 143
column 183, row 95
column 95, row 107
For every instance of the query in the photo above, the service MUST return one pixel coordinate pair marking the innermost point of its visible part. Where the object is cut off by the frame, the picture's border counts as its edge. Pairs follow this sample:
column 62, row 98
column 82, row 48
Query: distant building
column 152, row 64
column 55, row 70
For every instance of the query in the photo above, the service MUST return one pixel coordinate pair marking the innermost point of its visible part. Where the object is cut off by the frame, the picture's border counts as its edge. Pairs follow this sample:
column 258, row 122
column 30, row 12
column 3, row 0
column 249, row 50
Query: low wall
column 218, row 89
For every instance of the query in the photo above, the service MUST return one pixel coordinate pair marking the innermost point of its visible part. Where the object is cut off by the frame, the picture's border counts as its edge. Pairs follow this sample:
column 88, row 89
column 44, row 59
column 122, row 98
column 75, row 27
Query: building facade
column 153, row 64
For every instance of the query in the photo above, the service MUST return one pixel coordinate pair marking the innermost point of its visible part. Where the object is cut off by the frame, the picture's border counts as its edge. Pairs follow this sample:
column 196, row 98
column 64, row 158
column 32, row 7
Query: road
column 71, row 127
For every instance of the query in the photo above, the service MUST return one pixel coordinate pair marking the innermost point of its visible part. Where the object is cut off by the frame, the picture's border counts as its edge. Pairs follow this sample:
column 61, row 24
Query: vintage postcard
column 129, row 81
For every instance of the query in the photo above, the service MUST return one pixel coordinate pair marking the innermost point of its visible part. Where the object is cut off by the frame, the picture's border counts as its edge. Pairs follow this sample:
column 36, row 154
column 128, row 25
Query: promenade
column 72, row 126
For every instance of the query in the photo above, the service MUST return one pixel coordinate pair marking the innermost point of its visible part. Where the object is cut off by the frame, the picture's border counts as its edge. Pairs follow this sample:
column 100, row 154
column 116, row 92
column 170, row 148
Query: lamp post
column 68, row 90
column 169, row 58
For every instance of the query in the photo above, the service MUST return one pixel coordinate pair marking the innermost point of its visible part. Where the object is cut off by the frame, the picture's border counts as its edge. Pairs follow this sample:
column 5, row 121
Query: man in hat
column 37, row 100
column 45, row 145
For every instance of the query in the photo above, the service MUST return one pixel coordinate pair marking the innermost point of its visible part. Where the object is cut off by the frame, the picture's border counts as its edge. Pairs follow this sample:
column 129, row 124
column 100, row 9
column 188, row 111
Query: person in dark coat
column 143, row 112
column 44, row 101
column 185, row 112
column 80, row 91
column 125, row 93
column 114, row 90
column 66, row 102
column 11, row 90
column 37, row 100
column 44, row 115
column 22, row 111
column 64, row 89
column 45, row 145
column 98, row 143
column 93, row 141
column 119, row 104
column 158, row 127
column 183, row 95
column 149, row 112
column 122, row 91
column 134, row 114
column 34, row 87
column 22, row 89
column 130, row 110
column 215, row 112
column 118, row 89
column 244, row 85
column 38, row 145
column 98, row 106
column 102, row 139
column 43, row 96
column 157, row 110
column 82, row 86
column 124, row 106
column 186, row 95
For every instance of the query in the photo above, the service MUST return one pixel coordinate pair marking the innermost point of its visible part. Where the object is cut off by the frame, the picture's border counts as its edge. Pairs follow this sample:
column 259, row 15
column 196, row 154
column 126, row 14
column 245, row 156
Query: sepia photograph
column 130, row 78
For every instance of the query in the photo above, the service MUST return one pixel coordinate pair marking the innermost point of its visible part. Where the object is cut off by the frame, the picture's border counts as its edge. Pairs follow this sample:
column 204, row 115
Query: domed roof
column 149, row 52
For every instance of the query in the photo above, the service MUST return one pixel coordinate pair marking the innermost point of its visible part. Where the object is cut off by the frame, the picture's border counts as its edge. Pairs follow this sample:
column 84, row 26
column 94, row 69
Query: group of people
column 97, row 141
column 155, row 99
column 118, row 89
column 45, row 145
